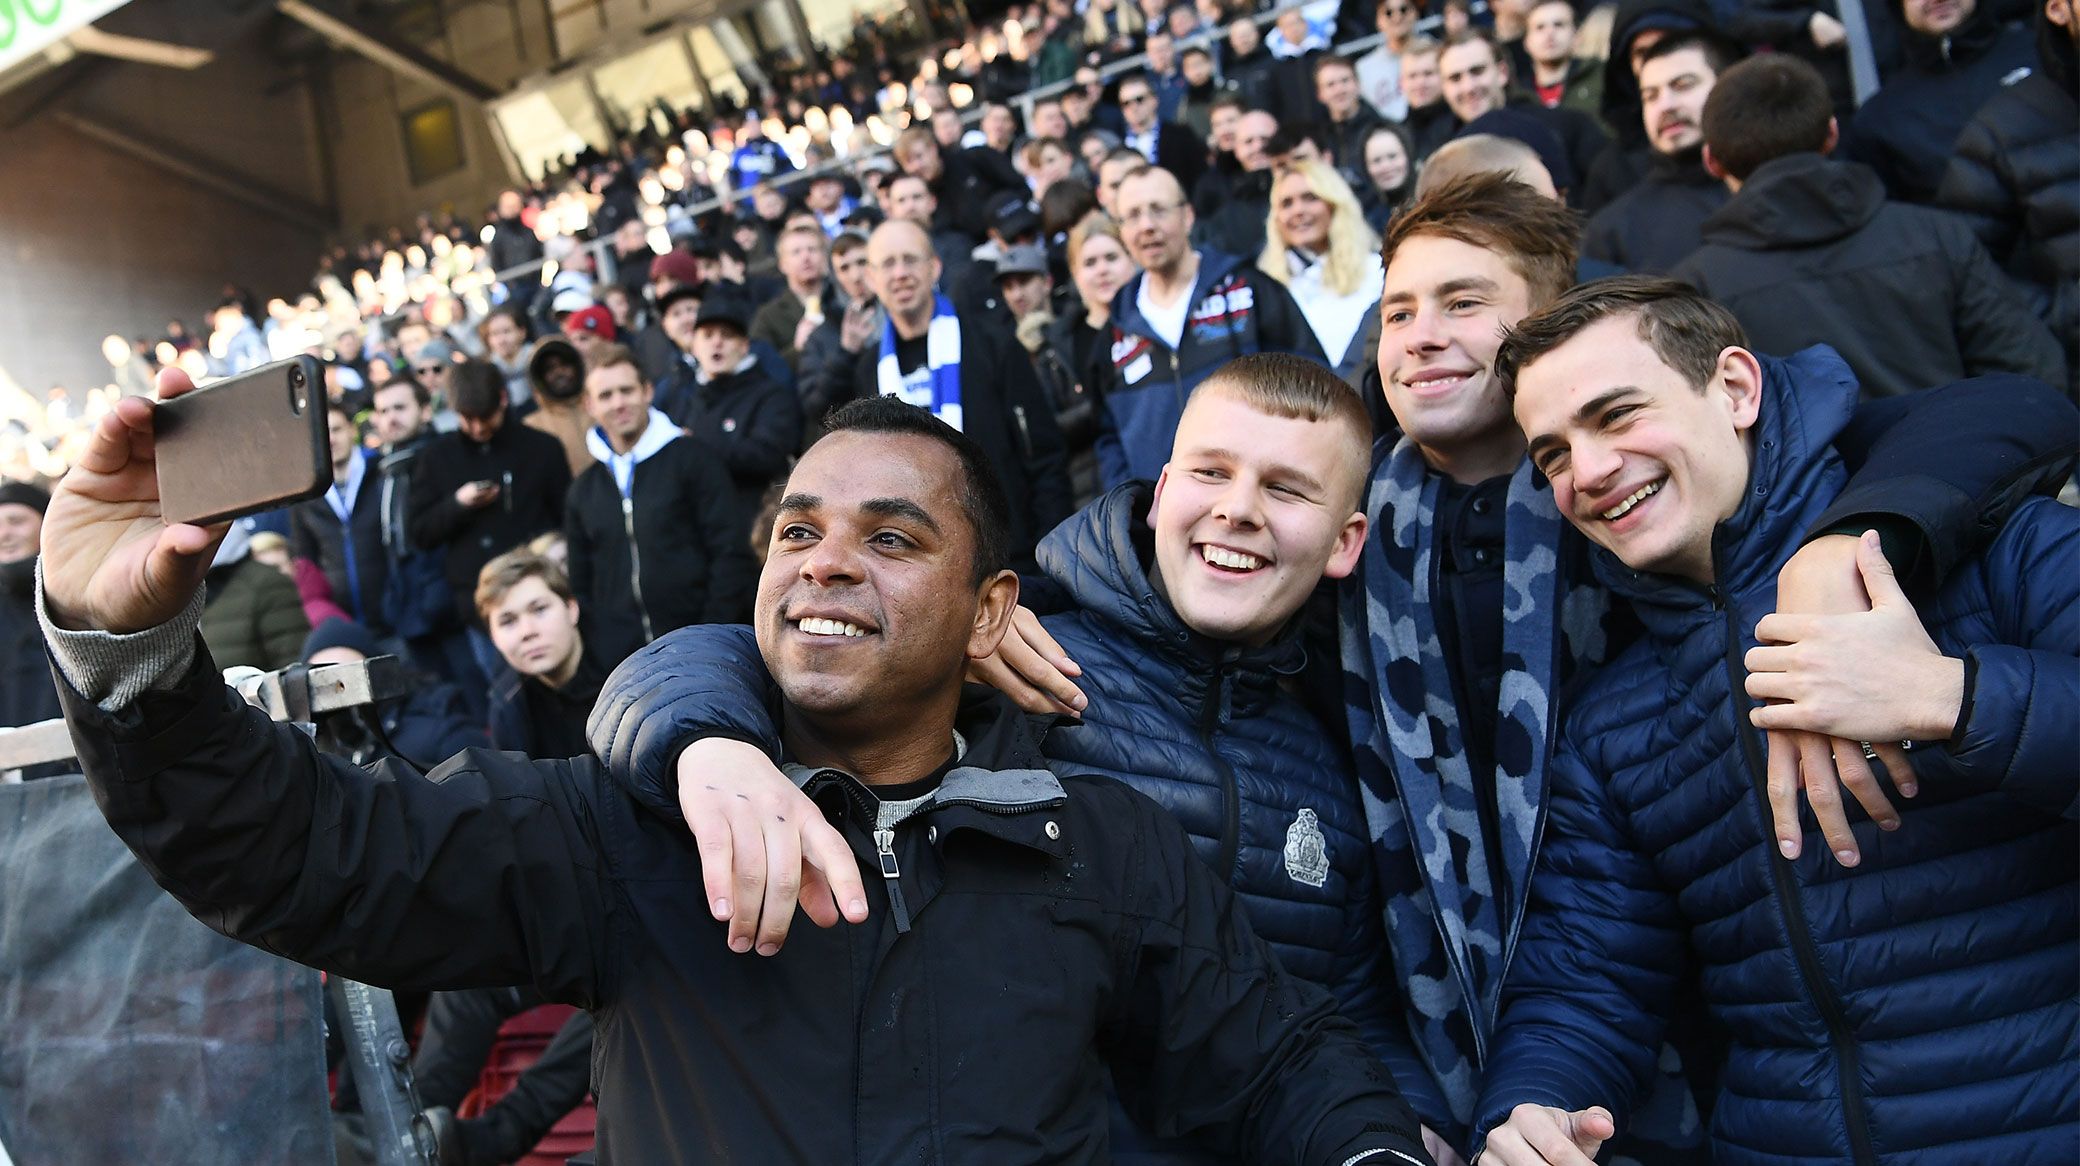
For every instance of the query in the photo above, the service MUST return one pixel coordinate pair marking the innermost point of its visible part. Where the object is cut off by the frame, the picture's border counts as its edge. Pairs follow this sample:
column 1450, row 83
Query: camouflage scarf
column 1449, row 918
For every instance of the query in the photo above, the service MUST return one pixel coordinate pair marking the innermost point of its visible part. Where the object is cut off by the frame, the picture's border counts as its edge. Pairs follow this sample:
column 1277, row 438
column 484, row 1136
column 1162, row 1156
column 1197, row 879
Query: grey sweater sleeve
column 114, row 670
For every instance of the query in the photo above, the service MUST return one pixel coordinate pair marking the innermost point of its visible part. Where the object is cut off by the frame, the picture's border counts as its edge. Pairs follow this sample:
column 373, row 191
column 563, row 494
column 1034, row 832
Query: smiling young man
column 1927, row 999
column 1181, row 601
column 1026, row 933
column 656, row 542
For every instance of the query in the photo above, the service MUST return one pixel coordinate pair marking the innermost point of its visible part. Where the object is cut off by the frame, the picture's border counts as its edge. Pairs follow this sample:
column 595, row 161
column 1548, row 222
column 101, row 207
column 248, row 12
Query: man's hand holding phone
column 110, row 562
column 476, row 495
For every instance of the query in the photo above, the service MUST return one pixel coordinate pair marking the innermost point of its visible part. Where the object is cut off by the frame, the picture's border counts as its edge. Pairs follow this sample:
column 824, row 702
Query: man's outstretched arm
column 482, row 877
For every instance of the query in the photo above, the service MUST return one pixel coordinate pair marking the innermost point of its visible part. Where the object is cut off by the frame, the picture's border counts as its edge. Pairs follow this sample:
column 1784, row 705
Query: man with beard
column 1638, row 26
column 26, row 695
column 557, row 374
column 418, row 604
column 1660, row 221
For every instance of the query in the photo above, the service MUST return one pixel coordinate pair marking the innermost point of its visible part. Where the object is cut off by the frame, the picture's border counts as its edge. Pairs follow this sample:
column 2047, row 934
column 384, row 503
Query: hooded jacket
column 1810, row 252
column 1922, row 1006
column 1906, row 131
column 1029, row 934
column 561, row 417
column 1235, row 310
column 1629, row 155
column 656, row 541
column 2015, row 175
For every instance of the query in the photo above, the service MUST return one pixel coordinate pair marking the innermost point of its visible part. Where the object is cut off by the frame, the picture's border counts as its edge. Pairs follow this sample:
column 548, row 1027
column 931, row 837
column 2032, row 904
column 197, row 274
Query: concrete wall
column 93, row 242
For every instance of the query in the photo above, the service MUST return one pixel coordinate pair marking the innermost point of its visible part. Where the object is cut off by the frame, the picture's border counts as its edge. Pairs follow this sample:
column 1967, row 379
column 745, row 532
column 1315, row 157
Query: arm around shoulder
column 702, row 681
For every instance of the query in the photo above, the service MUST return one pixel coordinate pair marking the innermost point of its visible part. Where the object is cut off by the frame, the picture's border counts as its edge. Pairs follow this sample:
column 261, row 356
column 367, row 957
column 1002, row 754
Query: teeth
column 1632, row 500
column 1235, row 560
column 830, row 627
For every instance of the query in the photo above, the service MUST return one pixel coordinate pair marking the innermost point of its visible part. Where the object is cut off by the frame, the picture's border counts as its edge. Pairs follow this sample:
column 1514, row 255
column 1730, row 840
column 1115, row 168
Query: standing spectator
column 252, row 615
column 660, row 356
column 910, row 199
column 1325, row 255
column 26, row 694
column 971, row 374
column 1246, row 63
column 1430, row 120
column 1236, row 225
column 1958, row 54
column 1351, row 120
column 507, row 349
column 828, row 201
column 1390, row 174
column 235, row 342
column 1202, row 86
column 556, row 376
column 827, row 358
column 341, row 531
column 632, row 256
column 483, row 490
column 546, row 680
column 1379, row 71
column 1808, row 250
column 1558, row 76
column 1190, row 309
column 1170, row 145
column 733, row 406
column 590, row 328
column 655, row 539
column 757, row 159
column 513, row 244
column 1476, row 80
column 787, row 319
column 963, row 181
column 1660, row 221
column 1164, row 77
column 418, row 604
column 2016, row 177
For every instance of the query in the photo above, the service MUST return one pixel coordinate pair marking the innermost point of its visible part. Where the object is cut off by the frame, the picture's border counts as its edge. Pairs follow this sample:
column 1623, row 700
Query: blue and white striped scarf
column 942, row 348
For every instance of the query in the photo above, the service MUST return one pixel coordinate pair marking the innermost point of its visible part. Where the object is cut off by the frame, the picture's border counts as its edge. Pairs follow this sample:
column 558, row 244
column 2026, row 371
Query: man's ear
column 1155, row 503
column 1712, row 166
column 1739, row 376
column 1350, row 543
column 1834, row 137
column 993, row 607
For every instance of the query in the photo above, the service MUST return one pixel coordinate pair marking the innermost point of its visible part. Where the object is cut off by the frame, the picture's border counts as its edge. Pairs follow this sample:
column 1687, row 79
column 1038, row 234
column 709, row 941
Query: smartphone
column 253, row 442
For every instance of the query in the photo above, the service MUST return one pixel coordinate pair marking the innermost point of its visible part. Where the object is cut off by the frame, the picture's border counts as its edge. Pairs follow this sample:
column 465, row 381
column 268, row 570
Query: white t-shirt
column 1166, row 322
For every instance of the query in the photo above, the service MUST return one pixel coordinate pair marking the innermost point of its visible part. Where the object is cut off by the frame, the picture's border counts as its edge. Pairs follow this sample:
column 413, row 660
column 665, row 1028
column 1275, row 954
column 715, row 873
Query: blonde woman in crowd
column 1318, row 246
column 1080, row 340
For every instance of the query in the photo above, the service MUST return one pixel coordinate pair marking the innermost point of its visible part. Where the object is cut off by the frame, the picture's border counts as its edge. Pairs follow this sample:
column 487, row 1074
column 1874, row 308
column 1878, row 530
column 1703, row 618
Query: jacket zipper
column 1848, row 1059
column 885, row 848
column 1231, row 801
column 1025, row 432
column 635, row 559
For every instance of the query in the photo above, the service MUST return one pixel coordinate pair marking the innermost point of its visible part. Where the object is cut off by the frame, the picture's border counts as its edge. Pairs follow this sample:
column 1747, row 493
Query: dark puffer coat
column 1809, row 252
column 1921, row 1007
column 2015, row 174
column 1906, row 130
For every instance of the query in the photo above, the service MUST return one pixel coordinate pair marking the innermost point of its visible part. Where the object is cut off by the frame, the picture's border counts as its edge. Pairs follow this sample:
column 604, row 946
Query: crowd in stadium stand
column 557, row 429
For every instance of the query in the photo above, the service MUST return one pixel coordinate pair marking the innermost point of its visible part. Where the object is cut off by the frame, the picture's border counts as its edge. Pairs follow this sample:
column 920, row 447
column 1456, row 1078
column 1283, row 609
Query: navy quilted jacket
column 1922, row 1007
column 1216, row 735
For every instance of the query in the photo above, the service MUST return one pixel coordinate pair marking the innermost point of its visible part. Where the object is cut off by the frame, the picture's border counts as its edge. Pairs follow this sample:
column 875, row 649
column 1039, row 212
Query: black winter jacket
column 533, row 477
column 1907, row 129
column 1009, row 415
column 751, row 420
column 26, row 693
column 1809, row 252
column 1659, row 222
column 672, row 550
column 2015, row 174
column 1046, row 931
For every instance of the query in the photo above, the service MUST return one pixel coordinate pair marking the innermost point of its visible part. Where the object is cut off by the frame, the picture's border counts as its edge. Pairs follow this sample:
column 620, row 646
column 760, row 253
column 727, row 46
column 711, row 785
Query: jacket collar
column 1126, row 308
column 1797, row 200
column 656, row 435
column 1794, row 474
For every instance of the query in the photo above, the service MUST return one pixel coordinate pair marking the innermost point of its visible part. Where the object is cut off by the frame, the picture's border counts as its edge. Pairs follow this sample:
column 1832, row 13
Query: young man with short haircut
column 1925, row 992
column 787, row 319
column 540, row 700
column 752, row 422
column 655, row 539
column 1558, row 77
